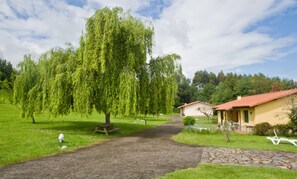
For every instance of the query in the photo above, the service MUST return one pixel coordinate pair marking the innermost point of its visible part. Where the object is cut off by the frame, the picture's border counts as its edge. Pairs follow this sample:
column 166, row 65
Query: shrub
column 262, row 128
column 189, row 120
column 293, row 115
column 292, row 128
column 282, row 129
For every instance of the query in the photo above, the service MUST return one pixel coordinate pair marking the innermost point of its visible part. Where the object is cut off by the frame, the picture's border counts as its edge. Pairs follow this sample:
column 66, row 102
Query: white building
column 196, row 108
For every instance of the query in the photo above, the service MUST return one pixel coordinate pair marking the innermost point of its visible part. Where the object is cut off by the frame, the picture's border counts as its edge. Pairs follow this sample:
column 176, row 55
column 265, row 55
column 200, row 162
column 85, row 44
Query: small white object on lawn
column 61, row 137
column 64, row 147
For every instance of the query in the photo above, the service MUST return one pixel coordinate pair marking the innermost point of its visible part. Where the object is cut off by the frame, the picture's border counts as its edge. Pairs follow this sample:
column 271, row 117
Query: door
column 246, row 116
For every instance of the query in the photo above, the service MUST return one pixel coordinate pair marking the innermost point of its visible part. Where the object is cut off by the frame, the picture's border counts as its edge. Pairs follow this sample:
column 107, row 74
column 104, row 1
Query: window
column 246, row 116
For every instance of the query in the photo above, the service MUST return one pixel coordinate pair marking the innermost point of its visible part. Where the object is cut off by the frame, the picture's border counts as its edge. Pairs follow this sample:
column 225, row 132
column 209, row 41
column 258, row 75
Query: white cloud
column 211, row 34
column 130, row 4
column 208, row 34
column 37, row 26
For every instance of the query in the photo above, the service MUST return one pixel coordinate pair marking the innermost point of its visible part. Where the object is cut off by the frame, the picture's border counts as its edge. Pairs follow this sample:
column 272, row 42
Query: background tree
column 55, row 69
column 260, row 84
column 225, row 91
column 163, row 84
column 205, row 83
column 243, row 86
column 6, row 71
column 222, row 87
column 202, row 78
column 204, row 94
column 7, row 75
column 186, row 92
column 27, row 88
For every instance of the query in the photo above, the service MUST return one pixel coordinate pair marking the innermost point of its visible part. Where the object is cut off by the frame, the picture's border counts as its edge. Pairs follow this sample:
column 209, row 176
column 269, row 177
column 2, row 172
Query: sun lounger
column 276, row 140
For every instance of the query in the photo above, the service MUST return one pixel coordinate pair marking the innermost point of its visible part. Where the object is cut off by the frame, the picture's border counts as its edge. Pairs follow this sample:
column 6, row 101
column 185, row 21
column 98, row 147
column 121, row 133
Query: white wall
column 192, row 110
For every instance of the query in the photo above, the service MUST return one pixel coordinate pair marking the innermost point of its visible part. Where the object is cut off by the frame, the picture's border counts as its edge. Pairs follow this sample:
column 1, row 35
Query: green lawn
column 243, row 141
column 203, row 121
column 207, row 171
column 21, row 140
column 217, row 139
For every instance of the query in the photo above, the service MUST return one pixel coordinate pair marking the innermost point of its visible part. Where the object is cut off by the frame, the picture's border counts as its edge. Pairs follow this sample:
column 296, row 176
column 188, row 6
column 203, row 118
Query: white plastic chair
column 276, row 140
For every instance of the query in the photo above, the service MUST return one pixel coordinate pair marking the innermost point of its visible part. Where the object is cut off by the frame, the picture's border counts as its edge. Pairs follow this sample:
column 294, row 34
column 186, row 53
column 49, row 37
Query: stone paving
column 284, row 160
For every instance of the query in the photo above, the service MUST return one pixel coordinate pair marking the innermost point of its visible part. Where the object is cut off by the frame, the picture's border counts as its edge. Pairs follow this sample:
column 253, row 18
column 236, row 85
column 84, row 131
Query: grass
column 243, row 141
column 203, row 121
column 217, row 139
column 209, row 171
column 21, row 140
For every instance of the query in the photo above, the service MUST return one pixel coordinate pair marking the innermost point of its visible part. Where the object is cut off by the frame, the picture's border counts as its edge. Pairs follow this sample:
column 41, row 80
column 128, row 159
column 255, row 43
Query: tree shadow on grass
column 87, row 127
column 68, row 125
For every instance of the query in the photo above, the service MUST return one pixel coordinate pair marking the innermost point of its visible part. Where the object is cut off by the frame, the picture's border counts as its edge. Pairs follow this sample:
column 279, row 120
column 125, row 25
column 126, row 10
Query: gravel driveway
column 147, row 154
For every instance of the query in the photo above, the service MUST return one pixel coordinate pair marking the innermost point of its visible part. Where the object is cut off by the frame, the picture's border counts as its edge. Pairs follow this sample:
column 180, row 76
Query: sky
column 240, row 36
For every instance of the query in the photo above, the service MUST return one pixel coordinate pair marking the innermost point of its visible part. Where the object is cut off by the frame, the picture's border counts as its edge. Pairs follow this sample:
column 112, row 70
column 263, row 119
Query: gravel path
column 144, row 155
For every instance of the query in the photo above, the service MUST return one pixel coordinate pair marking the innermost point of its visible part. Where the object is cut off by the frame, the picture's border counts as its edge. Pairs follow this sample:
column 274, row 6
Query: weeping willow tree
column 27, row 88
column 108, row 72
column 112, row 54
column 56, row 68
column 163, row 83
column 47, row 84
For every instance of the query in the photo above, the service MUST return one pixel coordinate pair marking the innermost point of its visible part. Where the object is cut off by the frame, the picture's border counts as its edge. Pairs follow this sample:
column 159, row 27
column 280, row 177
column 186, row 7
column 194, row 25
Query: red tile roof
column 251, row 101
column 195, row 102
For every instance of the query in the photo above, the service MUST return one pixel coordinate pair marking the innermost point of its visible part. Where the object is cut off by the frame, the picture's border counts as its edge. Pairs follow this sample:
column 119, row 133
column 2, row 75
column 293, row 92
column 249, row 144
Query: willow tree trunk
column 107, row 118
column 33, row 120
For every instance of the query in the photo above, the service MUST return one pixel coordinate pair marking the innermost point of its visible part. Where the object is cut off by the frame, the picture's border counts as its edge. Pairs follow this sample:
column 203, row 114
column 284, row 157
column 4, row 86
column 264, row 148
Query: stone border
column 228, row 156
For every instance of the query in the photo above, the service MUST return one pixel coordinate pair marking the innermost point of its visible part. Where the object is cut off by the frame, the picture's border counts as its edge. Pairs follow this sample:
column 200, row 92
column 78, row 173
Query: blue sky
column 279, row 25
column 246, row 36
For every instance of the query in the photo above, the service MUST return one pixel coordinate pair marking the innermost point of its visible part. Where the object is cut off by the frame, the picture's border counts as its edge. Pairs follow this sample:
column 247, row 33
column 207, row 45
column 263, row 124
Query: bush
column 292, row 128
column 282, row 129
column 262, row 128
column 293, row 115
column 189, row 120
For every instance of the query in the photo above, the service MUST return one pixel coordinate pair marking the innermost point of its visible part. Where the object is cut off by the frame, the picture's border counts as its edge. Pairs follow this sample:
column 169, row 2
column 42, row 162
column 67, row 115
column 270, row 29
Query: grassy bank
column 217, row 139
column 21, row 140
column 227, row 171
column 243, row 141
